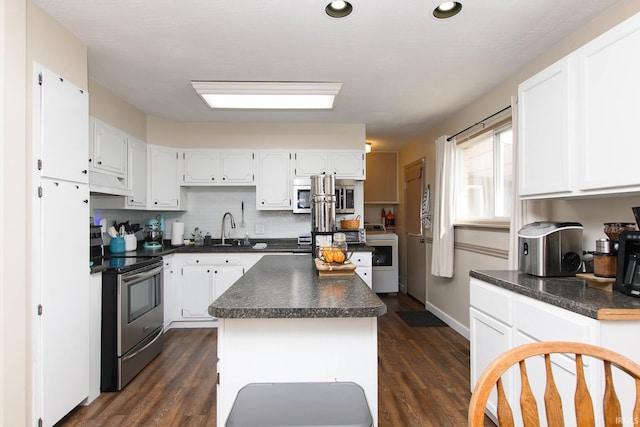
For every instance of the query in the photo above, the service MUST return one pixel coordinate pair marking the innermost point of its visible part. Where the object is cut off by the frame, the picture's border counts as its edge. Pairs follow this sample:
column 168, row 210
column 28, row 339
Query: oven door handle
column 145, row 347
column 126, row 279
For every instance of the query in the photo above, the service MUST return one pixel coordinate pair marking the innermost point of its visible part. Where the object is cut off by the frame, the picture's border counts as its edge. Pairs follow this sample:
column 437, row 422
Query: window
column 485, row 176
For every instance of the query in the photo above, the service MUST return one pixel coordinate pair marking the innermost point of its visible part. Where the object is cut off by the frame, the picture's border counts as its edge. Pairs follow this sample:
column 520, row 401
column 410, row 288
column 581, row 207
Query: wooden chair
column 491, row 377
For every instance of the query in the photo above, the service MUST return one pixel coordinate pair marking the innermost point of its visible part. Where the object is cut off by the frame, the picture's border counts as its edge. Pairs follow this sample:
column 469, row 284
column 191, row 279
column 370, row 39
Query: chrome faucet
column 233, row 225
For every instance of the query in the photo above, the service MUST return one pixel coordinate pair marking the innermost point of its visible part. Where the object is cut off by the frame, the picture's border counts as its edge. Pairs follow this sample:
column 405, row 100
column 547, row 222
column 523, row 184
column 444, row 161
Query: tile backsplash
column 207, row 205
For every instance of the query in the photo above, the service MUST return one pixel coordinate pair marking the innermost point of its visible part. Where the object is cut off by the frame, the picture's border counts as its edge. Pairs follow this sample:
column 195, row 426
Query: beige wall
column 13, row 260
column 28, row 35
column 256, row 135
column 104, row 105
column 452, row 296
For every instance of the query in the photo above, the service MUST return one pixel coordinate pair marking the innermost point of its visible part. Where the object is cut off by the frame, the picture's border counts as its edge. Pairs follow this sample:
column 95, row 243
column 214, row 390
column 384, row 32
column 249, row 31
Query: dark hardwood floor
column 423, row 379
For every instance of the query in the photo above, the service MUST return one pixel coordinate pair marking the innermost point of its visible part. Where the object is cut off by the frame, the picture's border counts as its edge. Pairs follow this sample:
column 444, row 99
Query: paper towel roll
column 177, row 231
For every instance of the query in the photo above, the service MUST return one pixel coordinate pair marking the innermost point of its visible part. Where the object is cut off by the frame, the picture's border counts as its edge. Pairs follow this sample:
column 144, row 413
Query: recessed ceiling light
column 338, row 9
column 447, row 9
column 268, row 95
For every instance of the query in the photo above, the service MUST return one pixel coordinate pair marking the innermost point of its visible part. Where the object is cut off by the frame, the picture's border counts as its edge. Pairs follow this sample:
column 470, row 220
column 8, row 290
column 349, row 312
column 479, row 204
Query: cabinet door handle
column 85, row 201
column 84, row 171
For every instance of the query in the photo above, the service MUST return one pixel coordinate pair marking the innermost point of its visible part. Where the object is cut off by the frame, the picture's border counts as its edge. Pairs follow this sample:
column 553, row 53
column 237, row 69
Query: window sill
column 483, row 225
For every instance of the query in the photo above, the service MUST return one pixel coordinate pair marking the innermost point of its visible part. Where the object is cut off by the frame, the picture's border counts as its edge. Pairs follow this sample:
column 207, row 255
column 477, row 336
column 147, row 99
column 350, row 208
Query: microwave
column 345, row 196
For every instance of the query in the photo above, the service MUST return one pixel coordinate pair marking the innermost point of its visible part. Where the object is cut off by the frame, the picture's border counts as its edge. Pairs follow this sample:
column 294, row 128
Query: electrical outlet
column 259, row 229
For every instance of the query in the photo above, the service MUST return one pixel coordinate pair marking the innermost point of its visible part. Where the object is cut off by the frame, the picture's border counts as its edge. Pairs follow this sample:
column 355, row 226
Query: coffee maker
column 628, row 262
column 323, row 210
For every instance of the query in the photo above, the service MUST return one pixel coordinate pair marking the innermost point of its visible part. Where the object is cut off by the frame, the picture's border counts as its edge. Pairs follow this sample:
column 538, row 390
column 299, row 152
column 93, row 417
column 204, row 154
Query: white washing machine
column 384, row 260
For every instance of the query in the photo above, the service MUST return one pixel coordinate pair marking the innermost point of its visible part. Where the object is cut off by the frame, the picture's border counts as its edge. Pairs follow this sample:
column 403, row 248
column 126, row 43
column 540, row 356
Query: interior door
column 416, row 248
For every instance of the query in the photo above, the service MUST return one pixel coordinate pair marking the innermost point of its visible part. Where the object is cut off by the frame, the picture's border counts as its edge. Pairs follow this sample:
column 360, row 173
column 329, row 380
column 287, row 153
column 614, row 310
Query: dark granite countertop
column 570, row 293
column 281, row 286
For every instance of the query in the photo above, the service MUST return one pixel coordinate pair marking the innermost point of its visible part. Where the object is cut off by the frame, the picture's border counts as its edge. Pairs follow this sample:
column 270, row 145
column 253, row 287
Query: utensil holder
column 117, row 245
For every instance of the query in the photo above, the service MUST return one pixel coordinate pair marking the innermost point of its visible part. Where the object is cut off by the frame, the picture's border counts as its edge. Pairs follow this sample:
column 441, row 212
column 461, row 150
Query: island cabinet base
column 289, row 350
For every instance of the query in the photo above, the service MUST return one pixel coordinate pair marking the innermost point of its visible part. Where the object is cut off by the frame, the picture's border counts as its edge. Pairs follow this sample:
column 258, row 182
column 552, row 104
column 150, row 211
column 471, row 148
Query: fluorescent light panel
column 267, row 95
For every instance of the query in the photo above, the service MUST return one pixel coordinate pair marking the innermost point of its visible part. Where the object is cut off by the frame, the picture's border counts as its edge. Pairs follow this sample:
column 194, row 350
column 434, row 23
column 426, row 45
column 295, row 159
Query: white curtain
column 444, row 208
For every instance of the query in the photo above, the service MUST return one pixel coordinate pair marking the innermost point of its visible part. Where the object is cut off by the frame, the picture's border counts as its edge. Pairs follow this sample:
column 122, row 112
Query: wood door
column 416, row 273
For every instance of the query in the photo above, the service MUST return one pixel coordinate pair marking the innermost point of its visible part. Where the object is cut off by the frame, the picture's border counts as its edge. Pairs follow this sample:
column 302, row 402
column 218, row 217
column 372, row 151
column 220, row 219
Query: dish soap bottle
column 247, row 242
column 383, row 217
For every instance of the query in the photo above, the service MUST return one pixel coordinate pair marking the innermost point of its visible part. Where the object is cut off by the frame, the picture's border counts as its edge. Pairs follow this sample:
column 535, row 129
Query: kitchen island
column 281, row 322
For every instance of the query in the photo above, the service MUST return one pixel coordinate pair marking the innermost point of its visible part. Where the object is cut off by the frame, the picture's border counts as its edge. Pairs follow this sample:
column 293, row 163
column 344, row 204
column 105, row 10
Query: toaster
column 550, row 249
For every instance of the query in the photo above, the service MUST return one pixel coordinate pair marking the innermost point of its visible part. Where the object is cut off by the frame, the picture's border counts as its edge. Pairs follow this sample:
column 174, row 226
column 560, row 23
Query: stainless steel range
column 132, row 318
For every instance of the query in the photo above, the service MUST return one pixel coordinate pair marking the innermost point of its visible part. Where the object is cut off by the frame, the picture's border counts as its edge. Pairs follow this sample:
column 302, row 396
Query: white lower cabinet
column 362, row 260
column 501, row 319
column 202, row 284
column 95, row 336
column 202, row 279
column 169, row 299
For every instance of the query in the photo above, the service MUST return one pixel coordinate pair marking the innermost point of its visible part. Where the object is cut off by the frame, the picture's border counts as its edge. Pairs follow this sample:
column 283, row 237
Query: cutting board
column 324, row 269
column 593, row 281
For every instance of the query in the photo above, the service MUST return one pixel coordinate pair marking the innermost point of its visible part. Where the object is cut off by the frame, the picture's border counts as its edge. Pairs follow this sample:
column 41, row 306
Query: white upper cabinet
column 164, row 186
column 64, row 120
column 109, row 149
column 218, row 167
column 545, row 129
column 137, row 173
column 201, row 167
column 273, row 185
column 577, row 119
column 341, row 163
column 608, row 109
column 347, row 164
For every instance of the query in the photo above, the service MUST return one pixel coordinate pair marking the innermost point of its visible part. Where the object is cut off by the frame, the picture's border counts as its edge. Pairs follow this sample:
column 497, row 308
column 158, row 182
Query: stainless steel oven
column 132, row 318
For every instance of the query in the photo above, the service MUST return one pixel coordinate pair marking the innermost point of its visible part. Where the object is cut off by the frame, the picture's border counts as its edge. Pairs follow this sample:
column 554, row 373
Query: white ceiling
column 402, row 70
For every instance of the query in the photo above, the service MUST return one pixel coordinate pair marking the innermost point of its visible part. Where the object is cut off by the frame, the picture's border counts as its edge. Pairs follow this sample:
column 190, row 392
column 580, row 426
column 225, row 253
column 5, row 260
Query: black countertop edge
column 571, row 293
column 273, row 246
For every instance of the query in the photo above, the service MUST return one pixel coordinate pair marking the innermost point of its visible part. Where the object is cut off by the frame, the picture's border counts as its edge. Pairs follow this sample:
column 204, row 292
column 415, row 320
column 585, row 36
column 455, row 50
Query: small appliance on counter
column 96, row 251
column 550, row 249
column 628, row 265
column 152, row 235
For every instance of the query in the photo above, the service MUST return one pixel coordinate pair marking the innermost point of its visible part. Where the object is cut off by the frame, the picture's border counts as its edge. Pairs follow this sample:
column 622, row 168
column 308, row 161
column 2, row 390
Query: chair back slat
column 505, row 415
column 528, row 405
column 583, row 402
column 492, row 374
column 552, row 400
column 610, row 402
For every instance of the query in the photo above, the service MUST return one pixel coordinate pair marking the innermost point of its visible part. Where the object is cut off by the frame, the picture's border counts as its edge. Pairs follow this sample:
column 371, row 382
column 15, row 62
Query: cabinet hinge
column 40, row 192
column 39, row 422
column 40, row 79
column 39, row 164
column 39, row 309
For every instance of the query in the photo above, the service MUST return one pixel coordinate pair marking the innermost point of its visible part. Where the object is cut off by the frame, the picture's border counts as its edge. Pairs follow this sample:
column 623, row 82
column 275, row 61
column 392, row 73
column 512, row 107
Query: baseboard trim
column 450, row 321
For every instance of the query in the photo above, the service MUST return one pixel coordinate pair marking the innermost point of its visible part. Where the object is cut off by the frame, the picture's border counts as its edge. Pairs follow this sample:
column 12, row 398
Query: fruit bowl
column 334, row 256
